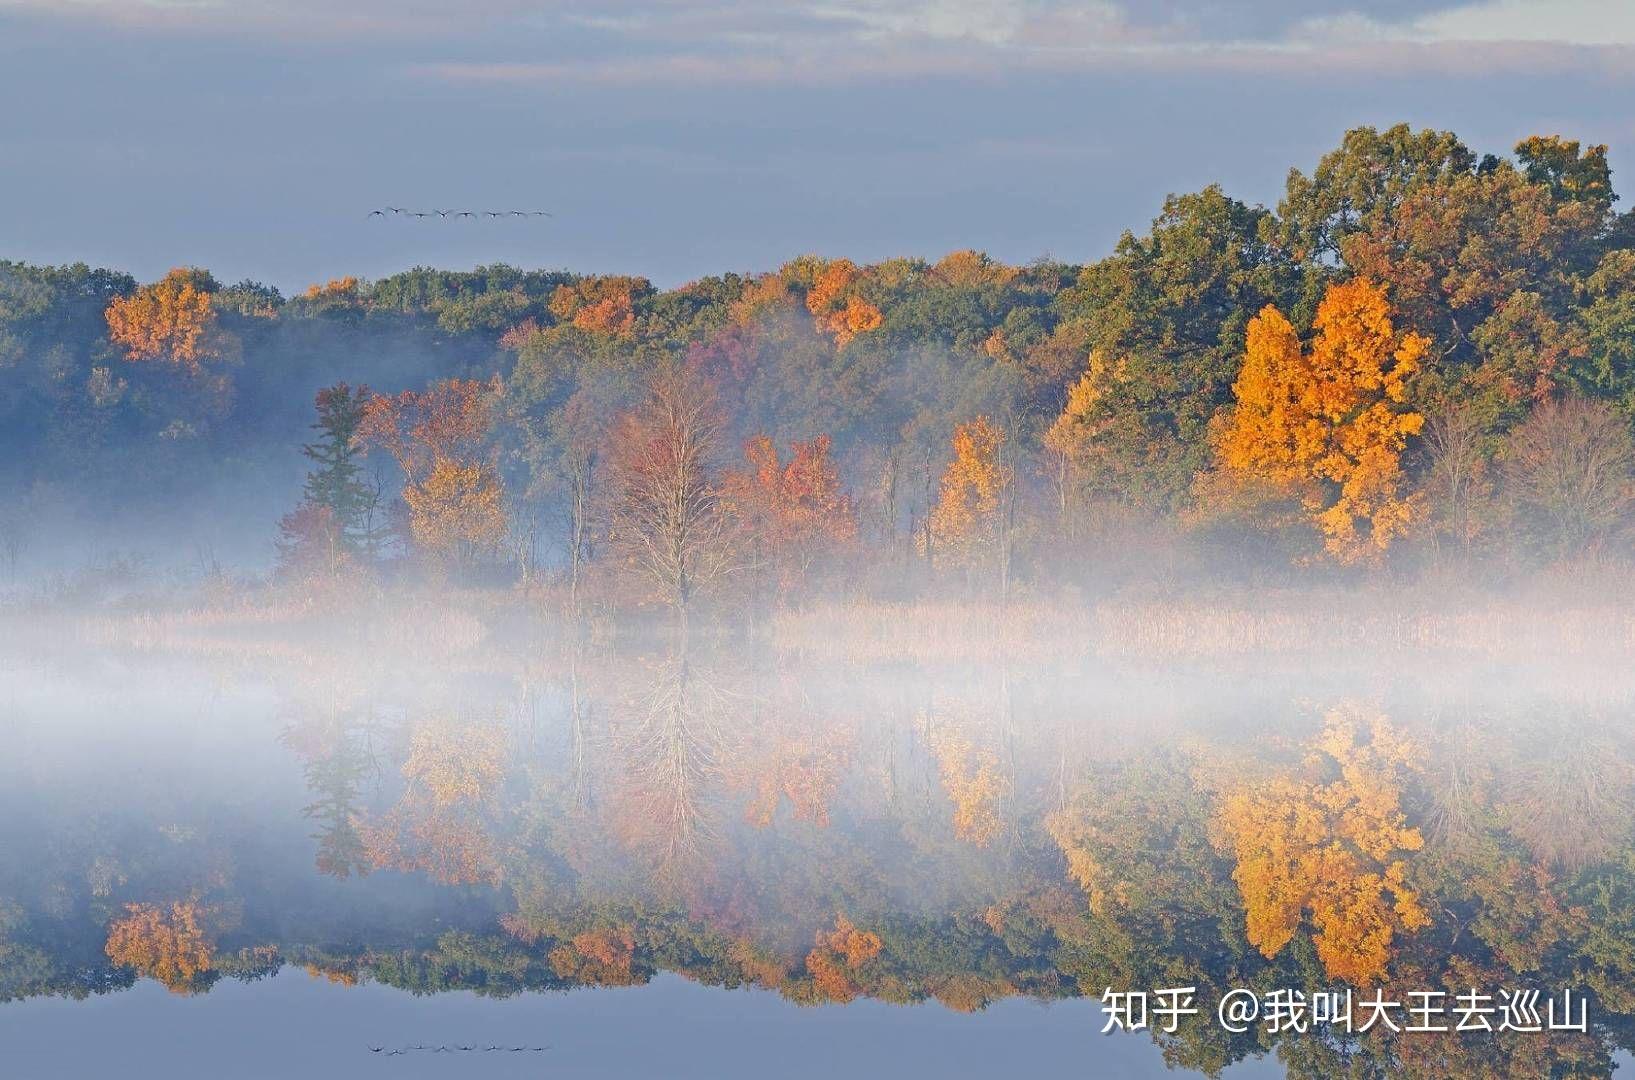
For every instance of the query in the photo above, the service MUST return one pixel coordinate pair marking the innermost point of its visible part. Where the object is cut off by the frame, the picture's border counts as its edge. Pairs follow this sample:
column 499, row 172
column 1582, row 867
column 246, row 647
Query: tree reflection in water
column 904, row 835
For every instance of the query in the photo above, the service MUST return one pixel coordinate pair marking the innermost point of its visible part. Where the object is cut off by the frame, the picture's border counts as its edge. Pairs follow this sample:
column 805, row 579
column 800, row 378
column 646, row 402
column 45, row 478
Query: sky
column 678, row 138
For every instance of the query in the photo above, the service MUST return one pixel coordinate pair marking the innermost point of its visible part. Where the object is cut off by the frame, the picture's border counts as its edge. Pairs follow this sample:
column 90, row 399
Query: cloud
column 520, row 42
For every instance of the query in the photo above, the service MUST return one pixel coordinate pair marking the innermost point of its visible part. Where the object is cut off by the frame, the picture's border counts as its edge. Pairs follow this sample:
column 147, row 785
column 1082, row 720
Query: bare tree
column 1569, row 469
column 667, row 516
column 1458, row 483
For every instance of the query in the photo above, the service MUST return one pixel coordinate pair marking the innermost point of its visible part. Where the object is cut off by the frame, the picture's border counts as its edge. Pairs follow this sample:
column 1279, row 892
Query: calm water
column 666, row 866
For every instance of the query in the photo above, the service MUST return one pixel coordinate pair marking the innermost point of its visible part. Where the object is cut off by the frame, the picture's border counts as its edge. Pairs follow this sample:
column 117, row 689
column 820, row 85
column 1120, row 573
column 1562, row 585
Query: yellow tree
column 170, row 320
column 835, row 306
column 439, row 437
column 164, row 944
column 1328, row 846
column 975, row 784
column 973, row 505
column 837, row 958
column 457, row 507
column 1329, row 424
column 442, row 823
column 1072, row 440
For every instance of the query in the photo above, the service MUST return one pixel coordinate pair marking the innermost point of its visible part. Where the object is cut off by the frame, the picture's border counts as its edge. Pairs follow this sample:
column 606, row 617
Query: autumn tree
column 1484, row 255
column 1329, row 424
column 439, row 438
column 441, row 824
column 669, row 525
column 1328, row 848
column 836, row 306
column 1162, row 322
column 171, row 320
column 838, row 958
column 793, row 513
column 973, row 781
column 1075, row 446
column 602, row 305
column 167, row 944
column 975, row 507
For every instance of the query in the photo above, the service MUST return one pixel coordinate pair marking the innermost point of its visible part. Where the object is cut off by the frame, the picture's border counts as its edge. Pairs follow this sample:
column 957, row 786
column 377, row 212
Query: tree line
column 1420, row 357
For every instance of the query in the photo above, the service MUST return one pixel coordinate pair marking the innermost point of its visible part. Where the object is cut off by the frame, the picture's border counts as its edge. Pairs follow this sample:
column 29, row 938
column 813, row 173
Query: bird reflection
column 399, row 1051
column 399, row 211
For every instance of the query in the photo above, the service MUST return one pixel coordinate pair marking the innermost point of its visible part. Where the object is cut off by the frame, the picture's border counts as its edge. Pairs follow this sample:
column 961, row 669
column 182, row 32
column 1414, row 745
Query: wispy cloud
column 831, row 41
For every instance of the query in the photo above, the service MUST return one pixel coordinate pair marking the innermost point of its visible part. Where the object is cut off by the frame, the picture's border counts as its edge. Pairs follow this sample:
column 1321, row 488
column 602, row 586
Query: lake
column 704, row 864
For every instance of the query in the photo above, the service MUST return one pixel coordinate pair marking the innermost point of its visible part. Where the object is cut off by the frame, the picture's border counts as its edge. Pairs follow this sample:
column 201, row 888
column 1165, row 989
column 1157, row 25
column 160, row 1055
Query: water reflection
column 829, row 836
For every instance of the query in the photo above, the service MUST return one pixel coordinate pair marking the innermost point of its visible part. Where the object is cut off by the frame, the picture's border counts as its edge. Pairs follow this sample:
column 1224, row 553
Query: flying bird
column 377, row 213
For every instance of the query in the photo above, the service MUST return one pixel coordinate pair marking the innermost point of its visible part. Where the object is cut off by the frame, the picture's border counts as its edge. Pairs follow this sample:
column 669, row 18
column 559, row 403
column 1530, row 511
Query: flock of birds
column 403, row 211
column 399, row 1050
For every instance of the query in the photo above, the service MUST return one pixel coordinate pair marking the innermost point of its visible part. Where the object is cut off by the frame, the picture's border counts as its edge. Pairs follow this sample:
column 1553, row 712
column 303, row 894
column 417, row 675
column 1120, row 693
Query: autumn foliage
column 438, row 437
column 440, row 825
column 1330, row 423
column 171, row 320
column 1328, row 849
column 838, row 957
column 970, row 501
column 167, row 944
column 836, row 307
column 794, row 512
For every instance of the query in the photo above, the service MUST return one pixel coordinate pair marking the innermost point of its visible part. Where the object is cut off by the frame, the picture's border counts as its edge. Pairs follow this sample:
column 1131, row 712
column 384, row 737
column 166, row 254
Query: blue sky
column 676, row 138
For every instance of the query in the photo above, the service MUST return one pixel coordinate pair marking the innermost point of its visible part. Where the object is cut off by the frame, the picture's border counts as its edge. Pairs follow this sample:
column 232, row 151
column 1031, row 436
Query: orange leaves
column 839, row 954
column 974, row 782
column 437, row 436
column 802, row 769
column 345, row 288
column 1075, row 430
column 836, row 309
column 971, row 269
column 1330, row 424
column 768, row 292
column 456, row 764
column 447, row 421
column 600, row 957
column 167, row 945
column 170, row 320
column 603, row 305
column 457, row 505
column 1330, row 849
column 795, row 512
column 973, row 485
column 440, row 824
column 610, row 315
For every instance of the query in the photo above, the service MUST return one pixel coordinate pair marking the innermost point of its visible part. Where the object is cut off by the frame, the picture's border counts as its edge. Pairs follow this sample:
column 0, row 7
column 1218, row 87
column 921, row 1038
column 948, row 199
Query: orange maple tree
column 970, row 500
column 171, row 320
column 839, row 955
column 794, row 512
column 1329, row 424
column 438, row 437
column 167, row 944
column 1329, row 846
column 835, row 306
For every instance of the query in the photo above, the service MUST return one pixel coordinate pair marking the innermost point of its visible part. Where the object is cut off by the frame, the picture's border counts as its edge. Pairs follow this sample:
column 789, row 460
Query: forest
column 1419, row 366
